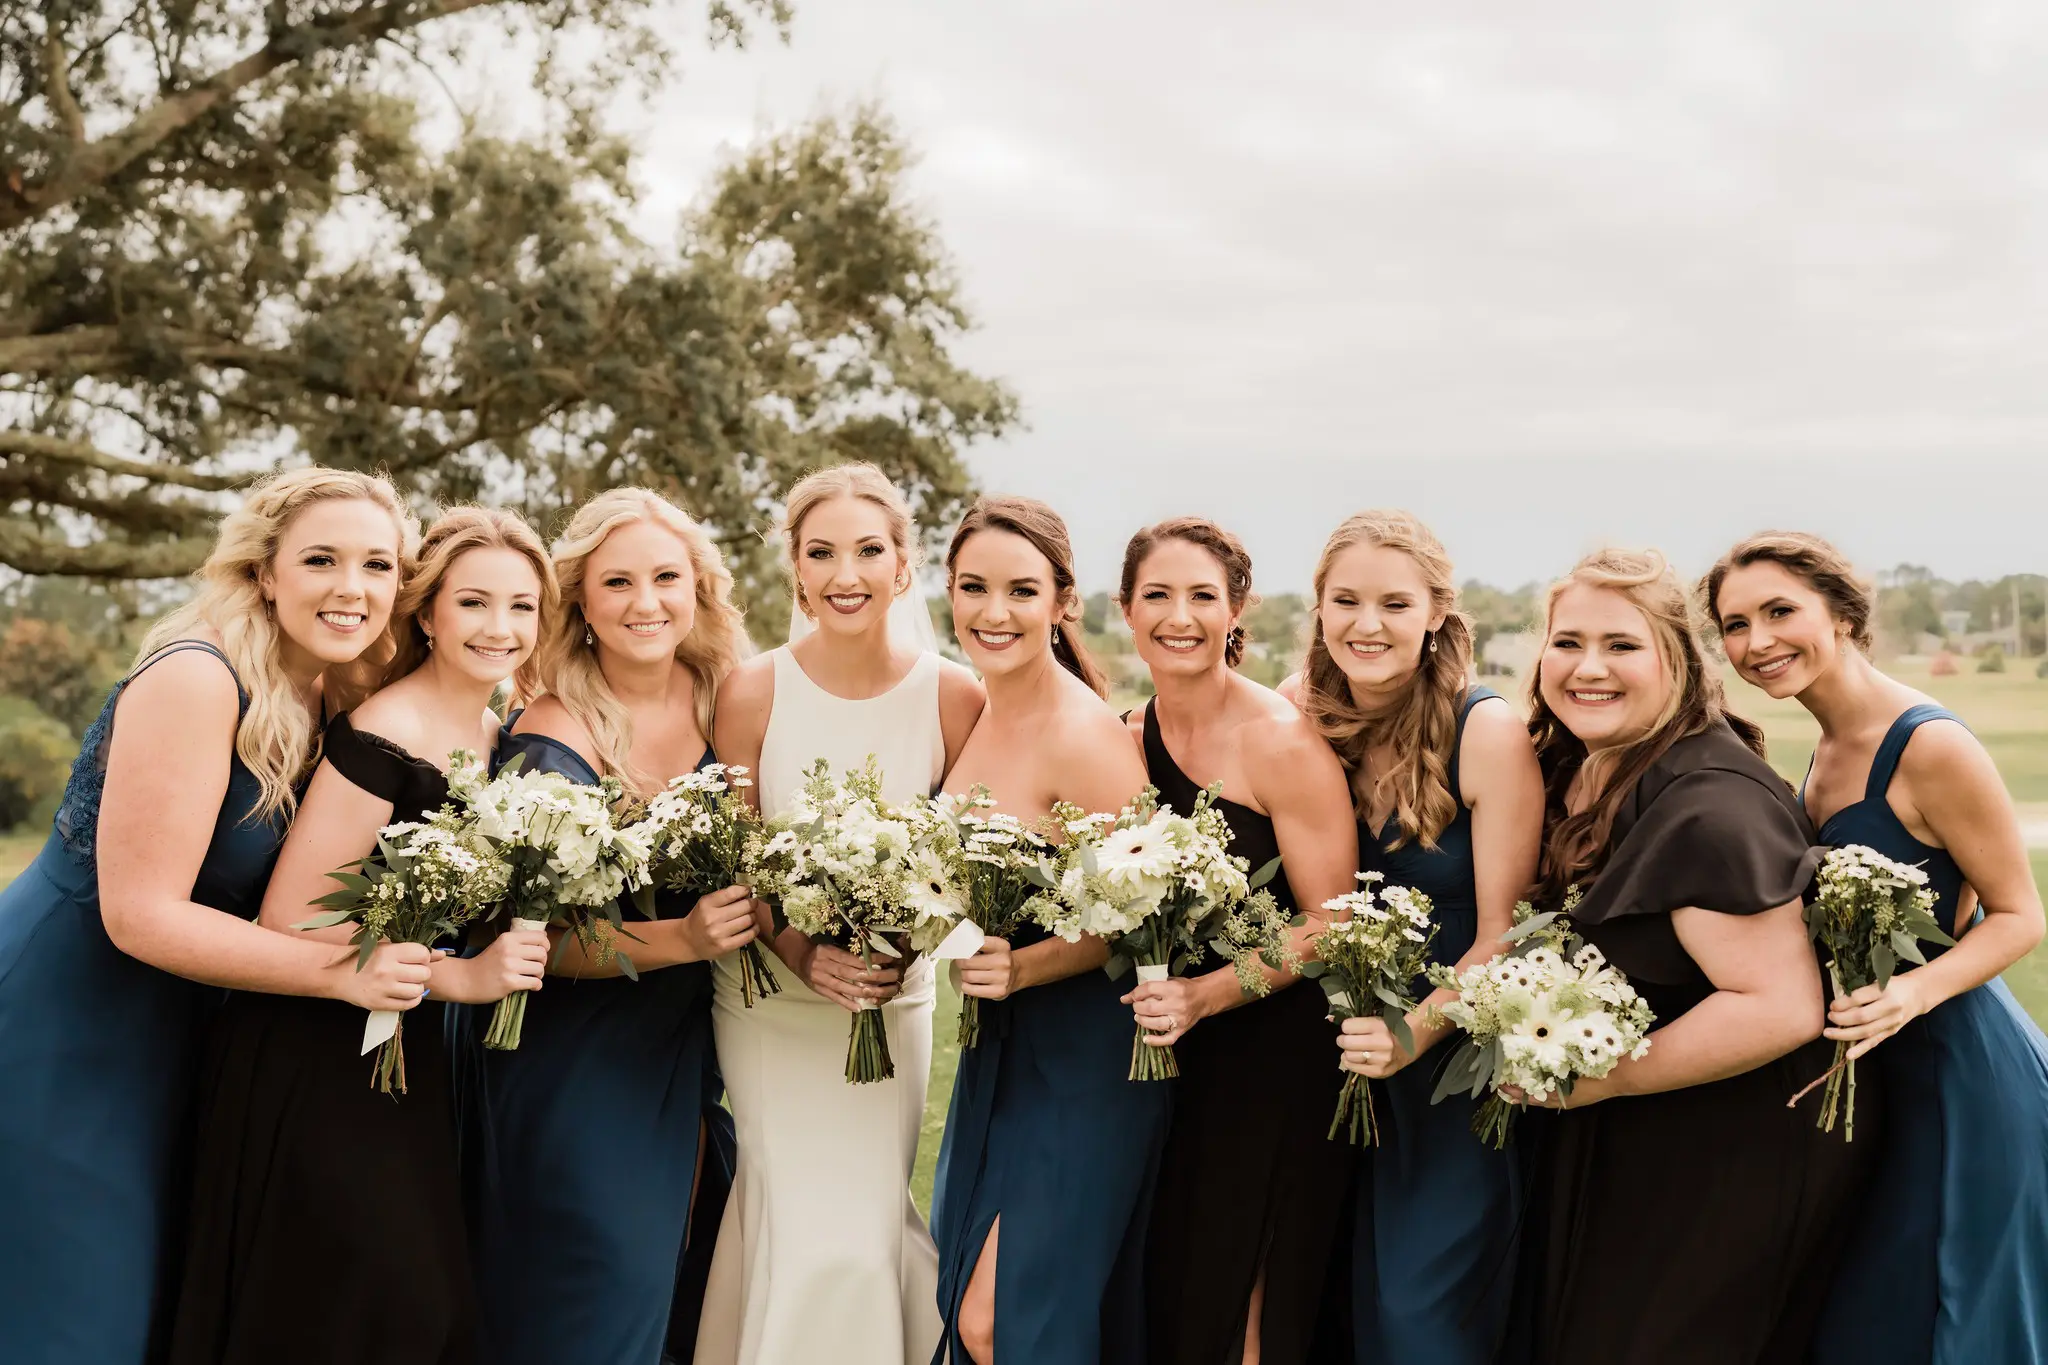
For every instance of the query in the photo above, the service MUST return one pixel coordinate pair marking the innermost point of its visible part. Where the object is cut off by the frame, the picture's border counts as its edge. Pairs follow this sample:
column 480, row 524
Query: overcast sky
column 1548, row 275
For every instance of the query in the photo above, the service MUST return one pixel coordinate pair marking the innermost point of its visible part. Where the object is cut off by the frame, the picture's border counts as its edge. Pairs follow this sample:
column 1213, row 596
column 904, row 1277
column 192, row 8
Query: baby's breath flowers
column 994, row 872
column 1367, row 962
column 1162, row 890
column 1871, row 914
column 423, row 884
column 1540, row 1016
column 843, row 866
column 571, row 862
column 698, row 828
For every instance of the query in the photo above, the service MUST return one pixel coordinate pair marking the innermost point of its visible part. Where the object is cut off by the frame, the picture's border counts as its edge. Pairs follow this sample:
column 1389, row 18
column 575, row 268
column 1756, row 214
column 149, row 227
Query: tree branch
column 57, row 75
column 96, row 162
column 136, row 513
column 29, row 552
column 35, row 445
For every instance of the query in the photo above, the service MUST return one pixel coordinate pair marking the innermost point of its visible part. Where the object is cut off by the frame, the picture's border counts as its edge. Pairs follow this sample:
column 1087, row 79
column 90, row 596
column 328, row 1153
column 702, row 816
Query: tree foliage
column 239, row 232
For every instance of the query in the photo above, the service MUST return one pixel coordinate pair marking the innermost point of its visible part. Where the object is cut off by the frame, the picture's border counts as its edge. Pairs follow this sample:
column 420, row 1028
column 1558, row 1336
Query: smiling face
column 640, row 593
column 333, row 580
column 1777, row 629
column 1600, row 672
column 1179, row 613
column 1377, row 616
column 485, row 616
column 848, row 568
column 1005, row 602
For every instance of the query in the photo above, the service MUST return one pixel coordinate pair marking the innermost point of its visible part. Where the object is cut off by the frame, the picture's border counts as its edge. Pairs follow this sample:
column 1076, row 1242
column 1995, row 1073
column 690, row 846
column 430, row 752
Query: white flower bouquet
column 844, row 867
column 571, row 862
column 1367, row 962
column 698, row 828
column 423, row 884
column 992, row 873
column 1540, row 1016
column 1162, row 890
column 1871, row 914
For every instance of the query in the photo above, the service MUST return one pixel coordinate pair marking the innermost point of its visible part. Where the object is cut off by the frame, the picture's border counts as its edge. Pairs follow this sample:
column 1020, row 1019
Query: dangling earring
column 1055, row 637
column 1430, row 636
column 589, row 635
column 430, row 642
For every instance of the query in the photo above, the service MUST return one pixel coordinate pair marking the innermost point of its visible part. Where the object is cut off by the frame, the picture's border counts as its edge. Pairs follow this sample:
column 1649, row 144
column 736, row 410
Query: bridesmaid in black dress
column 1686, row 1215
column 1247, row 1202
column 327, row 1223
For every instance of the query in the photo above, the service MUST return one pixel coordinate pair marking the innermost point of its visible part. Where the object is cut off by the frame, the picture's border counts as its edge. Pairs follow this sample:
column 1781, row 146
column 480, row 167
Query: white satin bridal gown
column 821, row 1255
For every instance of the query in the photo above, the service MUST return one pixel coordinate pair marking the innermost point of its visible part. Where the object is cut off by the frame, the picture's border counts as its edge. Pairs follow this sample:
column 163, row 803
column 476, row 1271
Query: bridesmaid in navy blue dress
column 1450, row 803
column 114, row 941
column 1050, row 1151
column 1246, row 1207
column 1949, row 1262
column 327, row 1222
column 627, row 678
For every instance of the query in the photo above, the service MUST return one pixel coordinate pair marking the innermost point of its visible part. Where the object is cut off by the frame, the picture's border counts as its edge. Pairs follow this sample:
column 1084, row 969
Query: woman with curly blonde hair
column 144, row 895
column 625, row 683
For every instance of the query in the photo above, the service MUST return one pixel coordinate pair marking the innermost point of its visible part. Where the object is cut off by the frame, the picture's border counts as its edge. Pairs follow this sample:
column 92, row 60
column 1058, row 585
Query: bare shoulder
column 959, row 687
column 1494, row 729
column 749, row 690
column 1279, row 739
column 1942, row 751
column 1290, row 689
column 392, row 714
column 188, row 688
column 1096, row 766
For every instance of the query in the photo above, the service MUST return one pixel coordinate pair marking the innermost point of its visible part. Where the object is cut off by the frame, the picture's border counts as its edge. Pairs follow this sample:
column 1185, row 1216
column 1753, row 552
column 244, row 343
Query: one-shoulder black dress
column 1698, row 1226
column 326, row 1216
column 1249, row 1181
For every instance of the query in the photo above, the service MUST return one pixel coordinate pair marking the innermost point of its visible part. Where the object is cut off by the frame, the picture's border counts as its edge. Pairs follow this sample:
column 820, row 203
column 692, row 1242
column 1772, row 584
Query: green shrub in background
column 1991, row 659
column 35, row 759
column 64, row 673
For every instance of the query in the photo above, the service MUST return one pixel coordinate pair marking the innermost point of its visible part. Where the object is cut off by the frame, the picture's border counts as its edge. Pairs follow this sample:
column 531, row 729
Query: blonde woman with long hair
column 627, row 676
column 1449, row 802
column 821, row 1255
column 1682, row 1213
column 327, row 1223
column 143, row 898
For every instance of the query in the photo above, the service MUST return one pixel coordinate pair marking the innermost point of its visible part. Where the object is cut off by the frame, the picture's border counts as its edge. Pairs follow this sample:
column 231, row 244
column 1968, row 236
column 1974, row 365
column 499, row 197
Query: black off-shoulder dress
column 327, row 1217
column 1699, row 1226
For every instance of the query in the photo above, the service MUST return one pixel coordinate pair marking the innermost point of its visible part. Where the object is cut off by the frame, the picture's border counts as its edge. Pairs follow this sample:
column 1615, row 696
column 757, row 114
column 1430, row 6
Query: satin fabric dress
column 1948, row 1261
column 98, row 1057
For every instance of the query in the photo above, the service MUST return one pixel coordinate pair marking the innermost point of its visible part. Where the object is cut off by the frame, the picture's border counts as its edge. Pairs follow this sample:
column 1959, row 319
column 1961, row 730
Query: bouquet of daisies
column 1367, row 962
column 1871, row 914
column 698, row 828
column 571, row 861
column 1001, row 873
column 423, row 884
column 843, row 866
column 1163, row 891
column 1540, row 1016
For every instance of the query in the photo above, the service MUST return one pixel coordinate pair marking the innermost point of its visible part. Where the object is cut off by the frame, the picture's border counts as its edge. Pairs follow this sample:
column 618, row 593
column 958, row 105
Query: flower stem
column 507, row 1023
column 756, row 981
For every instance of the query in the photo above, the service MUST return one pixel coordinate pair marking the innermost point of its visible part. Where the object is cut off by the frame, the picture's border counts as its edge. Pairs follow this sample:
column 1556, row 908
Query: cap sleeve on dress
column 1713, row 838
column 539, row 753
column 376, row 765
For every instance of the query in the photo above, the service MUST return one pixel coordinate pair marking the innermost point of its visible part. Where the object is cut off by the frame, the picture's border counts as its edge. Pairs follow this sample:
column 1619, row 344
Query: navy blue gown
column 1437, row 1209
column 1047, row 1131
column 1249, row 1180
column 326, row 1220
column 97, row 1056
column 582, row 1150
column 1948, row 1262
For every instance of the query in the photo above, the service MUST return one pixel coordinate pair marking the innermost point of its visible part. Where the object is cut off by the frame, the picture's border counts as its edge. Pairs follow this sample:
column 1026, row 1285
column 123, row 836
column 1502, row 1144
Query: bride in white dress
column 821, row 1255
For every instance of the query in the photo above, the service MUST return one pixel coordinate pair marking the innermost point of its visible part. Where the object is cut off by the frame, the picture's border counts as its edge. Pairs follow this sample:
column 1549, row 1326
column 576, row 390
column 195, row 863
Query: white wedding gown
column 822, row 1259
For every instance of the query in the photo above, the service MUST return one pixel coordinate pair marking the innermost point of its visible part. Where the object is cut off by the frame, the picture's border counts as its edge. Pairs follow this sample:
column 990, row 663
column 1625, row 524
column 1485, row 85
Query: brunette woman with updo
column 1050, row 1150
column 1682, row 1213
column 1950, row 1263
column 1246, row 1205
